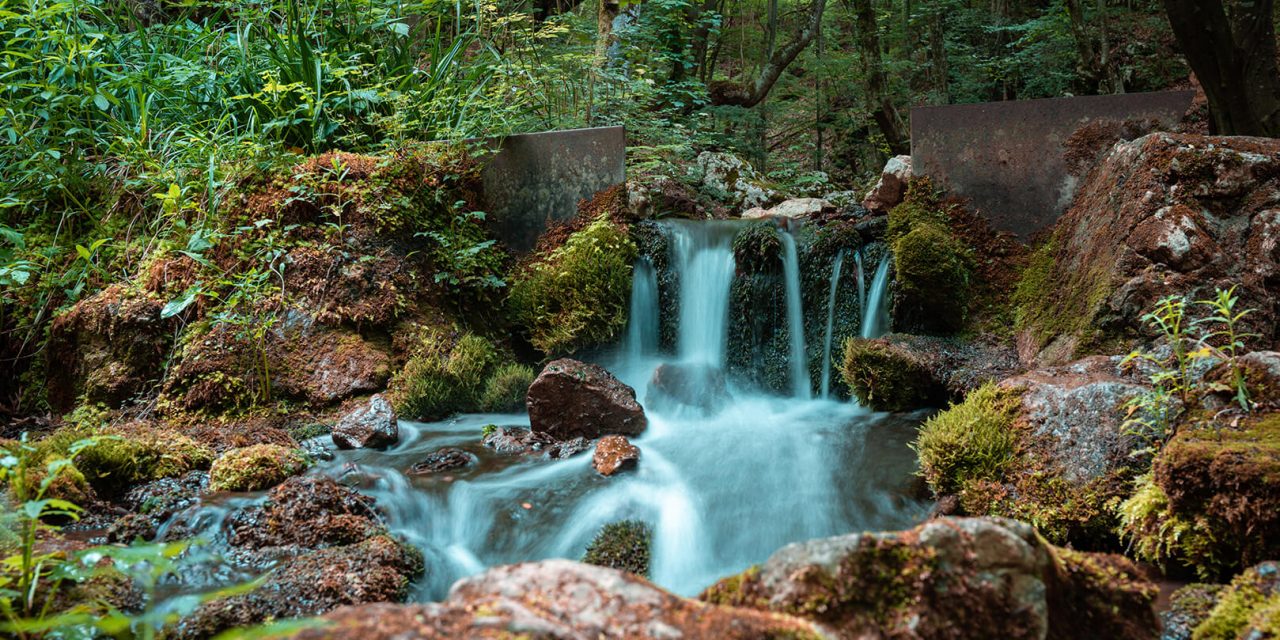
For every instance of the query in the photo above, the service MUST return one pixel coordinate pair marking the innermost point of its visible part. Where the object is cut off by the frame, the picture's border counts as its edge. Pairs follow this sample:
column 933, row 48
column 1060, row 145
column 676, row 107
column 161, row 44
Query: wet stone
column 443, row 460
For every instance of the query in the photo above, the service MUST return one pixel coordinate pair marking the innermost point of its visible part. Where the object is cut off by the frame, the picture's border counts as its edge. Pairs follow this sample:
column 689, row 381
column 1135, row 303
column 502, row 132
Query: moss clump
column 1102, row 592
column 255, row 468
column 970, row 441
column 576, row 296
column 445, row 374
column 127, row 455
column 1250, row 602
column 758, row 249
column 1159, row 535
column 622, row 545
column 506, row 388
column 887, row 379
column 1052, row 300
column 933, row 266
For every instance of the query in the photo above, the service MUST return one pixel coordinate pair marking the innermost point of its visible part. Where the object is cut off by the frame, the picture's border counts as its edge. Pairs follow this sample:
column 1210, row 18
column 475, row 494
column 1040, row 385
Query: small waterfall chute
column 642, row 323
column 800, row 382
column 703, row 255
column 875, row 315
column 831, row 316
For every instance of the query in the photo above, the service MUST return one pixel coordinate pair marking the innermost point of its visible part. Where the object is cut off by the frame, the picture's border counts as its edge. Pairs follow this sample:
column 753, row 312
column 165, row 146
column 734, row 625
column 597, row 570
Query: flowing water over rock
column 642, row 323
column 875, row 318
column 831, row 315
column 800, row 384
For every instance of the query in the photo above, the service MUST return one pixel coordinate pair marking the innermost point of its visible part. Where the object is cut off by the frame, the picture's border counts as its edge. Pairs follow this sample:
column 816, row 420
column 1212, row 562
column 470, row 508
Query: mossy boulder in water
column 257, row 467
column 623, row 545
column 886, row 378
column 949, row 578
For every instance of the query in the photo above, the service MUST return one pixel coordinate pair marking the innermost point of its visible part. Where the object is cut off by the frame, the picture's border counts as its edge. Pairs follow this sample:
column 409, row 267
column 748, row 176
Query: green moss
column 884, row 379
column 622, row 545
column 1249, row 602
column 932, row 270
column 126, row 457
column 445, row 375
column 1054, row 300
column 913, row 213
column 257, row 467
column 506, row 388
column 757, row 248
column 577, row 296
column 970, row 441
column 1159, row 535
column 309, row 430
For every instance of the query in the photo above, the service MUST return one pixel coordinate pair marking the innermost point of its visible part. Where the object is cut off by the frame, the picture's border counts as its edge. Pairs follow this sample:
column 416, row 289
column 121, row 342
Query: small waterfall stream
column 721, row 491
column 831, row 317
column 642, row 323
column 801, row 387
column 875, row 315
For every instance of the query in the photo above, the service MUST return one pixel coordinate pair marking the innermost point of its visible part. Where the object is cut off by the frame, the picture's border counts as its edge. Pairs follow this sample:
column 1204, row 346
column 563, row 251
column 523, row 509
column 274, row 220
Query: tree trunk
column 1234, row 57
column 604, row 30
column 740, row 94
column 878, row 102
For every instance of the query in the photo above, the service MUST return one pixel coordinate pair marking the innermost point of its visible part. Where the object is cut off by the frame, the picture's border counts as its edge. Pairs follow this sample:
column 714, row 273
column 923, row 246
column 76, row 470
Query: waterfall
column 800, row 385
column 703, row 255
column 831, row 316
column 862, row 284
column 642, row 323
column 874, row 316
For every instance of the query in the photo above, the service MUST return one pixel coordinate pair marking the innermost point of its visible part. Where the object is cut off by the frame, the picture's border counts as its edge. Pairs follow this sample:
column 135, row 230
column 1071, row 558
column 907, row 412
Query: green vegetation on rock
column 127, row 455
column 445, row 374
column 576, row 297
column 623, row 545
column 933, row 267
column 506, row 388
column 256, row 467
column 1250, row 604
column 887, row 379
column 970, row 441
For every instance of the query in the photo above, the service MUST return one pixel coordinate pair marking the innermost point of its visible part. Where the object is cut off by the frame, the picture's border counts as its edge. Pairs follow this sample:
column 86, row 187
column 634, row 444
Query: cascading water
column 703, row 255
column 831, row 317
column 800, row 383
column 862, row 283
column 642, row 323
column 874, row 315
column 721, row 491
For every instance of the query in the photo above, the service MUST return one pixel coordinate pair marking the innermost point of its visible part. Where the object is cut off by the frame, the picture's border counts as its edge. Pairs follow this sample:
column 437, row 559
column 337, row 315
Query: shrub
column 622, row 545
column 445, row 375
column 970, row 441
column 253, row 468
column 506, row 388
column 576, row 296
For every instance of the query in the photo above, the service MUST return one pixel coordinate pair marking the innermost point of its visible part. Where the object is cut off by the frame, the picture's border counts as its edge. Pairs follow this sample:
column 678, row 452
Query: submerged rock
column 373, row 426
column 440, row 460
column 949, row 578
column 558, row 599
column 155, row 503
column 698, row 386
column 517, row 441
column 614, row 454
column 571, row 399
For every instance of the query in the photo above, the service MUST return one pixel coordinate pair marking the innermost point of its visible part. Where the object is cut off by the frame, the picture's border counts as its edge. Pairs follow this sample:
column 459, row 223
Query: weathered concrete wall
column 1007, row 157
column 539, row 177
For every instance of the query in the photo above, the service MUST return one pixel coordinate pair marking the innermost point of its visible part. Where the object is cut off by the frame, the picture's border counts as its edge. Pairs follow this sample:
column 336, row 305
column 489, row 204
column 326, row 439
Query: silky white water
column 832, row 290
column 703, row 256
column 642, row 323
column 874, row 315
column 801, row 387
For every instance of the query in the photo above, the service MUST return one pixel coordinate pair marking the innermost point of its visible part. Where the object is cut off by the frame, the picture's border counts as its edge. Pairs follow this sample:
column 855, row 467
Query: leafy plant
column 1224, row 337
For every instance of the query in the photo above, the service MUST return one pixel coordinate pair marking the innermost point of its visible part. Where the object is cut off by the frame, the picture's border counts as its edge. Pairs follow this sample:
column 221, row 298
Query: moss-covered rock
column 255, row 468
column 127, row 455
column 972, row 441
column 1248, row 608
column 949, row 578
column 1212, row 502
column 932, row 271
column 445, row 374
column 506, row 388
column 1188, row 607
column 884, row 377
column 576, row 296
column 622, row 545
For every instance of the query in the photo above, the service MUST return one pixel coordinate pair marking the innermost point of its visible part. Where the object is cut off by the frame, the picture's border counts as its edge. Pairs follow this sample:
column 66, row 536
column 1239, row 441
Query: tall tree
column 751, row 93
column 1231, row 46
column 876, row 81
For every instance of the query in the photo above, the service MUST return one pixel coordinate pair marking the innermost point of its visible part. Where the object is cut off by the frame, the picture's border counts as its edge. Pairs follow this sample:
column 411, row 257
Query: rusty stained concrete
column 537, row 178
column 1007, row 157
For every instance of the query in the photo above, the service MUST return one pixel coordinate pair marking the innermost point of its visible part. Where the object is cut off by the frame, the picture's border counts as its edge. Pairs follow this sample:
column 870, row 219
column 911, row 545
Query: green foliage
column 506, row 388
column 256, row 467
column 623, row 545
column 758, row 249
column 970, row 441
column 122, row 459
column 446, row 374
column 576, row 297
column 1158, row 535
column 1242, row 606
column 1224, row 337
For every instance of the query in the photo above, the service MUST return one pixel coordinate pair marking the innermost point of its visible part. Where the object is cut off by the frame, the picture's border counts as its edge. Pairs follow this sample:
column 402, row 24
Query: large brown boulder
column 107, row 348
column 950, row 578
column 572, row 399
column 562, row 600
column 1164, row 214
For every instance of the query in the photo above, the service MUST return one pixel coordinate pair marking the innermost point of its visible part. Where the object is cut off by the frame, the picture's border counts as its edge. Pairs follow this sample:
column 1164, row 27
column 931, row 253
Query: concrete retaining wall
column 536, row 178
column 1007, row 157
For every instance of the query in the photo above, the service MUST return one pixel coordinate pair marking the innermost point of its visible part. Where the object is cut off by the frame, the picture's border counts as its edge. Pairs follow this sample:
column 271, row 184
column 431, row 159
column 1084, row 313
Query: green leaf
column 102, row 102
column 180, row 304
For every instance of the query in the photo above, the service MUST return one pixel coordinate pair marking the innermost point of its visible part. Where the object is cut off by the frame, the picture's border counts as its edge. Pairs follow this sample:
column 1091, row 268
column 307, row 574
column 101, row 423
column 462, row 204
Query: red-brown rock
column 614, row 454
column 571, row 399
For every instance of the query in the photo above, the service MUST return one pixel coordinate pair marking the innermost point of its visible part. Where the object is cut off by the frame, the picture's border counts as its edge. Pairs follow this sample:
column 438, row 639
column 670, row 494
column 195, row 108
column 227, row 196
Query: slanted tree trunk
column 609, row 10
column 1233, row 54
column 749, row 94
column 1095, row 55
column 877, row 84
